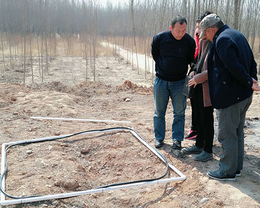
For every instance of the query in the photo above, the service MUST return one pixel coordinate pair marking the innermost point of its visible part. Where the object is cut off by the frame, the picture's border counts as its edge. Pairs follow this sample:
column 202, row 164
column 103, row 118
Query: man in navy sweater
column 232, row 77
column 172, row 52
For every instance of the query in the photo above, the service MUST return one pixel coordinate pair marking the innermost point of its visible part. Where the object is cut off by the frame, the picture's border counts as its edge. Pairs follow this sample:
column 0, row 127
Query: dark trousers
column 204, row 121
column 231, row 136
column 193, row 116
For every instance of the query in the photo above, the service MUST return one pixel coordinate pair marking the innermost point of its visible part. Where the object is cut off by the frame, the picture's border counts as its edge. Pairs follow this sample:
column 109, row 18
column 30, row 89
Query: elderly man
column 172, row 52
column 232, row 76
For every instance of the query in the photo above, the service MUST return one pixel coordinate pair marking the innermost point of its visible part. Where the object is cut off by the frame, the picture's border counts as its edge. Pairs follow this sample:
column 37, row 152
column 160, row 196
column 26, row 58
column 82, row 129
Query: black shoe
column 158, row 144
column 217, row 175
column 203, row 156
column 238, row 173
column 192, row 150
column 176, row 145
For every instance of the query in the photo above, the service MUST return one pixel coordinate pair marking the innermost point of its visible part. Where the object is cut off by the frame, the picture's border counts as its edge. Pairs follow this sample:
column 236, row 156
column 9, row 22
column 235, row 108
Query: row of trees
column 36, row 27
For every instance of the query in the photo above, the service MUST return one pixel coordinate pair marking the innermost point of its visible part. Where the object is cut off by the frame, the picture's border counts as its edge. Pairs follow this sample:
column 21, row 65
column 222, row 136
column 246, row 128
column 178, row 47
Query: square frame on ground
column 5, row 146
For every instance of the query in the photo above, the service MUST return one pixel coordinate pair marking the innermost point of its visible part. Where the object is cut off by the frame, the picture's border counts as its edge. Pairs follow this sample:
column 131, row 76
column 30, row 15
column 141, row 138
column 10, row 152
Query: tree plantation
column 35, row 31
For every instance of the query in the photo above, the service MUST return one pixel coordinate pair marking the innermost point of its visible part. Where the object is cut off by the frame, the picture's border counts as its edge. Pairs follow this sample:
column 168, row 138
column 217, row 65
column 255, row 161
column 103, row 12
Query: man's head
column 210, row 25
column 198, row 20
column 178, row 27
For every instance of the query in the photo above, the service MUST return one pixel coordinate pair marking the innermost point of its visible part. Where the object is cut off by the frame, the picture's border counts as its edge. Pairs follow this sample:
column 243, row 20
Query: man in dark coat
column 232, row 76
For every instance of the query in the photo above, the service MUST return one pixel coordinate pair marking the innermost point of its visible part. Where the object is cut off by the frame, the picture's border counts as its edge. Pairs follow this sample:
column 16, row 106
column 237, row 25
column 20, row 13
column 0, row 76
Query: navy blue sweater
column 172, row 56
column 231, row 66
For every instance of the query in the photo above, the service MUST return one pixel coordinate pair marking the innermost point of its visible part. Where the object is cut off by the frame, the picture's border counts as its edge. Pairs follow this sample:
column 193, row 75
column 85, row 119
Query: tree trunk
column 10, row 50
column 42, row 52
column 94, row 57
column 241, row 13
column 39, row 56
column 46, row 52
column 31, row 57
column 236, row 14
column 24, row 58
column 86, row 57
column 227, row 12
column 253, row 33
column 134, row 34
column 3, row 51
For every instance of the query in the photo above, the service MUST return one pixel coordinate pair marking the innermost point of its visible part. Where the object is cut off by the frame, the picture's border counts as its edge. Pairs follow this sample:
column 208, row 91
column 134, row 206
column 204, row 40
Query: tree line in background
column 37, row 30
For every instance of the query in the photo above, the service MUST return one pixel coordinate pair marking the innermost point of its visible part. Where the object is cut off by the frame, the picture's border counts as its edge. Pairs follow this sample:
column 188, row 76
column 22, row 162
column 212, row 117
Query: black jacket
column 231, row 67
column 172, row 56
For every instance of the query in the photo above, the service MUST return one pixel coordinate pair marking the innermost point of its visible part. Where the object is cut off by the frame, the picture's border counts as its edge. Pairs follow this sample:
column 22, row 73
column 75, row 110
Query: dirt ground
column 84, row 162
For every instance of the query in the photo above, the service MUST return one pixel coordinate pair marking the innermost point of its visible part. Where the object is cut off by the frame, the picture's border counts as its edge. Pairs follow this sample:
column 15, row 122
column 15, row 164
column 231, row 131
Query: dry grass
column 13, row 45
column 256, row 48
column 141, row 45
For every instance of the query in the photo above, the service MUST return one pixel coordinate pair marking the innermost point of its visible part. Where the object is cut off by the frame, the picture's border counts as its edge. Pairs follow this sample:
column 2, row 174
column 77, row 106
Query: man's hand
column 255, row 85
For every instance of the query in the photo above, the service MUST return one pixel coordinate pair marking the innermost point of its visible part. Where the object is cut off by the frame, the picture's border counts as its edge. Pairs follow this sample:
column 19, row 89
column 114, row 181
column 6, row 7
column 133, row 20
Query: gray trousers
column 231, row 123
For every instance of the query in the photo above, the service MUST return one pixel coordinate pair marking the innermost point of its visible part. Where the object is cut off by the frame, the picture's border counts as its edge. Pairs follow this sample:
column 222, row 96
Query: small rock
column 127, row 99
column 204, row 200
column 13, row 98
column 44, row 205
column 93, row 195
column 29, row 152
column 54, row 202
column 57, row 183
column 84, row 151
column 69, row 184
column 56, row 133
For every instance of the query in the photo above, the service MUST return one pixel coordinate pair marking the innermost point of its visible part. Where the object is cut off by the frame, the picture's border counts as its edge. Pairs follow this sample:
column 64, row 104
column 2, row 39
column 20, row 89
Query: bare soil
column 89, row 161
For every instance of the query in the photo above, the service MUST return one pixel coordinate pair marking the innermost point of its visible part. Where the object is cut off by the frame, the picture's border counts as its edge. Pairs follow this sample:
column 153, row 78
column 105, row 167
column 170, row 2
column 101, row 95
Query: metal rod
column 3, row 161
column 79, row 119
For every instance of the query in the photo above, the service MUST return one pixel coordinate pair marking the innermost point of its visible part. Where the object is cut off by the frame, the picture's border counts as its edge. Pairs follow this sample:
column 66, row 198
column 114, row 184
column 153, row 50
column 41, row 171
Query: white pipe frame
column 5, row 202
column 80, row 119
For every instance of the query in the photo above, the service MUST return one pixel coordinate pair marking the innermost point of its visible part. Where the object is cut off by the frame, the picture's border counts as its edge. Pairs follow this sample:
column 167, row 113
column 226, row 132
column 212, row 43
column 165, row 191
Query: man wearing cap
column 172, row 51
column 232, row 77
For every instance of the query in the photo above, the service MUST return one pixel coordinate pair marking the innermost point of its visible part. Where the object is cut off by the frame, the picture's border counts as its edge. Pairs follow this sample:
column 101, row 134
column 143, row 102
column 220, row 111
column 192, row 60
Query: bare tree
column 24, row 38
column 248, row 21
column 134, row 32
column 2, row 46
column 85, row 36
column 94, row 41
column 253, row 32
column 87, row 21
column 237, row 13
column 241, row 11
